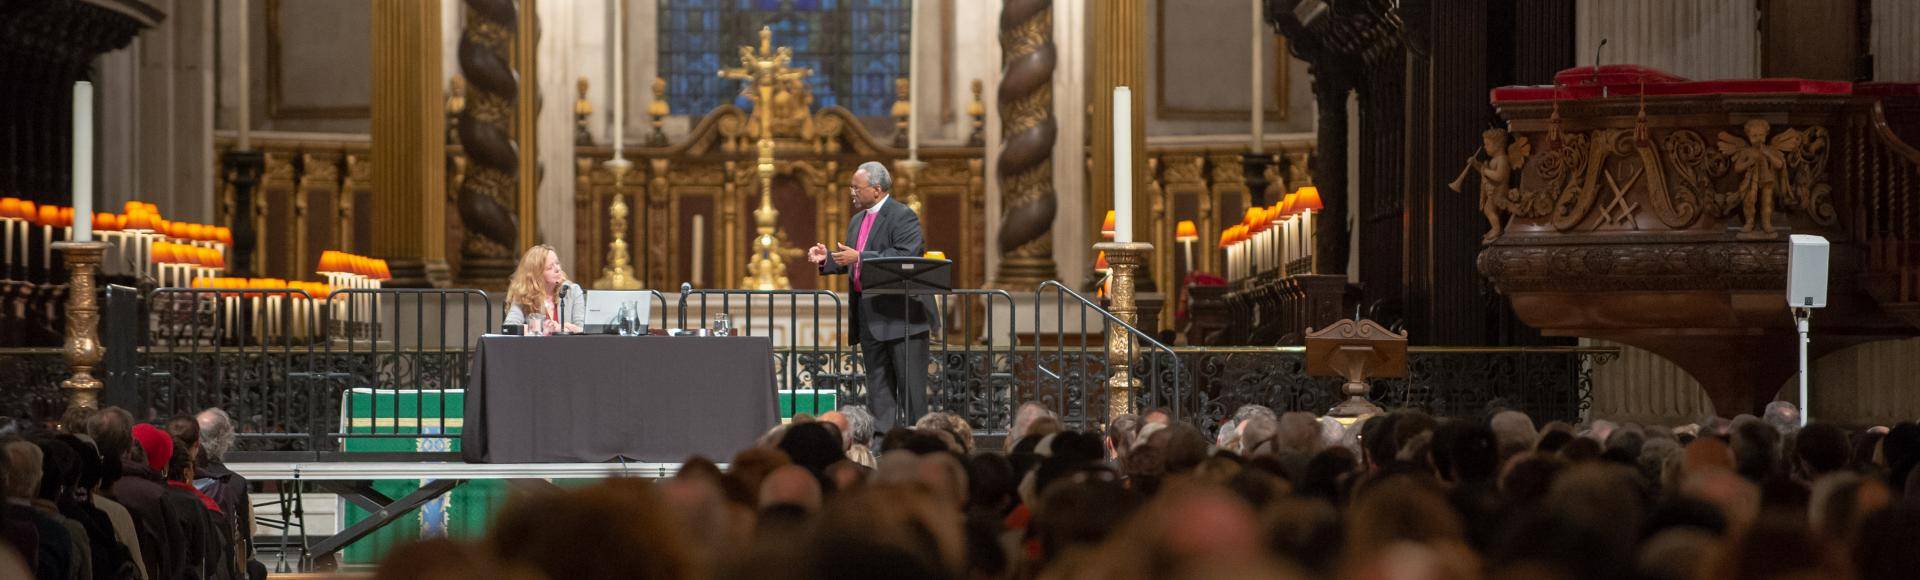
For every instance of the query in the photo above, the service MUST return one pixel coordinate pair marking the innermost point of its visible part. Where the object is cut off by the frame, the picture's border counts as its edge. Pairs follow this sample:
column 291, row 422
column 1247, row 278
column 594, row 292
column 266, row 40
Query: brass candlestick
column 1125, row 259
column 82, row 348
column 618, row 274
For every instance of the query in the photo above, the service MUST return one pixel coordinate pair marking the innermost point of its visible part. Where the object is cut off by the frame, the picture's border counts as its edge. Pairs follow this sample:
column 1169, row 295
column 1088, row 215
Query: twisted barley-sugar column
column 1026, row 160
column 490, row 195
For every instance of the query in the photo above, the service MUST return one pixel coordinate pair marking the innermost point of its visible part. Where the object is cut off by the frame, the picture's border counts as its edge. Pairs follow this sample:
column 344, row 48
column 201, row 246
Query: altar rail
column 392, row 364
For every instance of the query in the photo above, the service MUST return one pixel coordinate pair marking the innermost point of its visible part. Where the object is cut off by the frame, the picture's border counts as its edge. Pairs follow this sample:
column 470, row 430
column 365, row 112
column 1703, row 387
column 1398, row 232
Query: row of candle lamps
column 1267, row 238
column 270, row 310
column 141, row 243
column 1272, row 237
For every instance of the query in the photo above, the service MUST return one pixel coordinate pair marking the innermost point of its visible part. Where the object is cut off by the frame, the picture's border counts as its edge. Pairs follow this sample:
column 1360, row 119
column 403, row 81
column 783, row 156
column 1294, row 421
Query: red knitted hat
column 158, row 445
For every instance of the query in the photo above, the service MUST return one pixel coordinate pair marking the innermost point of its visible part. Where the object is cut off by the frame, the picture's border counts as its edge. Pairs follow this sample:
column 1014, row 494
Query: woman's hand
column 551, row 326
column 572, row 329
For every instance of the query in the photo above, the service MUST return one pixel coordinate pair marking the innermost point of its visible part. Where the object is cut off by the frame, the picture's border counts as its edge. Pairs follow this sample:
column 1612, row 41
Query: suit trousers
column 896, row 370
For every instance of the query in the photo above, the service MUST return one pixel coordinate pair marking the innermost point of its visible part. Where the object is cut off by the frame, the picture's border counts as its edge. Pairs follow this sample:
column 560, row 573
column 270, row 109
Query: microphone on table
column 560, row 306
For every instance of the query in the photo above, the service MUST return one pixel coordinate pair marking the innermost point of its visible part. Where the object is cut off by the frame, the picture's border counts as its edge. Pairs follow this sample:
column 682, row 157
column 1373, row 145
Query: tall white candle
column 243, row 104
column 1259, row 103
column 619, row 82
column 1306, row 234
column 913, row 80
column 82, row 161
column 1122, row 164
column 699, row 255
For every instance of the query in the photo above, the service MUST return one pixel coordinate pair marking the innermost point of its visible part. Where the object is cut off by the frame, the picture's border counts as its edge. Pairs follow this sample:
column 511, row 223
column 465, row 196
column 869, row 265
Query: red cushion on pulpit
column 1631, row 80
column 1614, row 75
column 1887, row 89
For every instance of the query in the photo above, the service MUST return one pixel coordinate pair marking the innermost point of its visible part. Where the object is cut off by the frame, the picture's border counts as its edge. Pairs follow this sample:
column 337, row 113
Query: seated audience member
column 859, row 434
column 64, row 486
column 1023, row 419
column 1435, row 498
column 1120, row 435
column 58, row 554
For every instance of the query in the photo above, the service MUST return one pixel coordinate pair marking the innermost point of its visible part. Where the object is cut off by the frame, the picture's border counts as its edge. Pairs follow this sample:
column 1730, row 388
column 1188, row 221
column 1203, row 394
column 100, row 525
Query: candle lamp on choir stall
column 1101, row 267
column 1308, row 202
column 1186, row 233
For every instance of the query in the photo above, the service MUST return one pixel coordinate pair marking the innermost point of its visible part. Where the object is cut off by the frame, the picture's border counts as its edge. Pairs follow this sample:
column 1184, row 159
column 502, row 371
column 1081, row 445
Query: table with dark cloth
column 597, row 398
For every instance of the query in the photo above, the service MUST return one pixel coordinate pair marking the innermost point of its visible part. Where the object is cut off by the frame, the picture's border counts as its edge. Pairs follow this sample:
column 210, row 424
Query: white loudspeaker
column 1807, row 272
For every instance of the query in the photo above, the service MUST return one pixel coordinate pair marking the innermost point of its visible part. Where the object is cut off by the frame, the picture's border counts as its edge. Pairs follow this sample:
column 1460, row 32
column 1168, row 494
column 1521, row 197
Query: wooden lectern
column 1356, row 351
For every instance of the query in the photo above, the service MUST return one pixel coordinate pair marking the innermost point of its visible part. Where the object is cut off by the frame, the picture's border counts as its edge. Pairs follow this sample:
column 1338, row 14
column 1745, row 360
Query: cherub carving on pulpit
column 1498, row 196
column 1762, row 165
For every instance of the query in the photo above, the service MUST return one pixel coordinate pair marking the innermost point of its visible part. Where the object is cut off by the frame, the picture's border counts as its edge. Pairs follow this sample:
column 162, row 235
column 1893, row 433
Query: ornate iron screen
column 856, row 48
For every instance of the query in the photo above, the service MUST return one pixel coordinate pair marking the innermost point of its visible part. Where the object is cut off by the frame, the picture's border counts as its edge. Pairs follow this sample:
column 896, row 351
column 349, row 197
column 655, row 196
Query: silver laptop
column 606, row 310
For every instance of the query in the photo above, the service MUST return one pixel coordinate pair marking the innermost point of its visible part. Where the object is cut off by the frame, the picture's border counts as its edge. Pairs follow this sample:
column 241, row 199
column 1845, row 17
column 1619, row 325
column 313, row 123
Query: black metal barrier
column 378, row 370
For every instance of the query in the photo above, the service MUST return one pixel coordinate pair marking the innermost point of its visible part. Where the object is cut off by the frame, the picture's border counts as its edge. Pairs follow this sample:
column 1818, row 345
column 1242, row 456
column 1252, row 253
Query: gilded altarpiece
column 710, row 174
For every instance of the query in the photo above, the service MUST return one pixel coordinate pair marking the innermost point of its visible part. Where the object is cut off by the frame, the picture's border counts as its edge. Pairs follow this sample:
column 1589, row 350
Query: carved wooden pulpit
column 1356, row 351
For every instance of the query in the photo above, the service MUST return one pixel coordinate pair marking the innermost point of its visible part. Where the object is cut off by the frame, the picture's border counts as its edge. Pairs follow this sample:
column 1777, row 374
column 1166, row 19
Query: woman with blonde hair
column 539, row 295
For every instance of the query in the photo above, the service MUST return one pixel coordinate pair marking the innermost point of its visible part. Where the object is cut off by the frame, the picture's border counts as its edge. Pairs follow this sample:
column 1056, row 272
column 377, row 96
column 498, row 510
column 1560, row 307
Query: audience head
column 1023, row 419
column 859, row 424
column 1782, row 416
column 1121, row 432
column 1514, row 430
column 791, row 485
column 216, row 434
column 112, row 430
column 1819, row 449
column 620, row 523
column 24, row 465
column 812, row 446
column 156, row 444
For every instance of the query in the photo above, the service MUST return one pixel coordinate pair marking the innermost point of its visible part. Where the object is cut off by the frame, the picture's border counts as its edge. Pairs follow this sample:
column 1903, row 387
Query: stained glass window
column 856, row 49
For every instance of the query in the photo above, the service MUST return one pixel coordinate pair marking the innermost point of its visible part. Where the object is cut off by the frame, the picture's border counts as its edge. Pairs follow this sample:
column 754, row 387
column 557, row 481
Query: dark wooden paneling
column 1813, row 39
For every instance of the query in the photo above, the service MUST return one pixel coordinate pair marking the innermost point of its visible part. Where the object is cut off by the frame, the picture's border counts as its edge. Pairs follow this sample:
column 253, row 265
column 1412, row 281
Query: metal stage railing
column 349, row 371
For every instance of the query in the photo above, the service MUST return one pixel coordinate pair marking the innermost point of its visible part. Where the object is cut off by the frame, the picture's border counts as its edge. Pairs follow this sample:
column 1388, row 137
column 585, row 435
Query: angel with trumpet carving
column 1762, row 165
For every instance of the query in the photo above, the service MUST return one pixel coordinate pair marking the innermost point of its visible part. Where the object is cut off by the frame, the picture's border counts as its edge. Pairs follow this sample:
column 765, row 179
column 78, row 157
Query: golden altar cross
column 766, row 68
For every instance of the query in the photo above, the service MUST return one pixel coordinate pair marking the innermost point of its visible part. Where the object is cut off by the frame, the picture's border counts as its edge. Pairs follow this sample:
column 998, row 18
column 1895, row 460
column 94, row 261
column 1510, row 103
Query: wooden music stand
column 1356, row 351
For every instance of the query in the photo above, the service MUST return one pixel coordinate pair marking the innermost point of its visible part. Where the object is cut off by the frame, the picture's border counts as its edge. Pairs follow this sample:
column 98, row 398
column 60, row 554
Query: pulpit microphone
column 1597, row 51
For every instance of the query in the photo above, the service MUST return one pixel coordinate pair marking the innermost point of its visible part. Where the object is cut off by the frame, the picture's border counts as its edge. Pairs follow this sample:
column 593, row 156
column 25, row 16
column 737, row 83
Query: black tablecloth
column 595, row 398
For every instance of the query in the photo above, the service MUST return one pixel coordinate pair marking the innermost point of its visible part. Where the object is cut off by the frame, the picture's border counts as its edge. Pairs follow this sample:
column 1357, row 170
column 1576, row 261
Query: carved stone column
column 489, row 197
column 409, row 153
column 1027, row 203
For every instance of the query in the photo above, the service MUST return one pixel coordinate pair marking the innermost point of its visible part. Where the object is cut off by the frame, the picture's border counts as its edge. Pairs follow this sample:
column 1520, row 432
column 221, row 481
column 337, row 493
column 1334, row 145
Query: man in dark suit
column 892, row 330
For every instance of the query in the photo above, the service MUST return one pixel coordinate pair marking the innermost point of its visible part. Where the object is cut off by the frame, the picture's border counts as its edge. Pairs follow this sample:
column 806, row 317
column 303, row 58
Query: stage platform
column 382, row 470
column 355, row 482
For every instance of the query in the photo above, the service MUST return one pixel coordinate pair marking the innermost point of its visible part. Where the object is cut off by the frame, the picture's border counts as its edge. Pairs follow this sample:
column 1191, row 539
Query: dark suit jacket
column 896, row 232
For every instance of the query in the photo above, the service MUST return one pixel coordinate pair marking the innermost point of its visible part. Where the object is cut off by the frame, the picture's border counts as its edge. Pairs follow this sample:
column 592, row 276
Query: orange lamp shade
column 1107, row 228
column 1185, row 231
column 1287, row 203
column 380, row 270
column 9, row 207
column 1100, row 262
column 225, row 235
column 328, row 262
column 934, row 255
column 48, row 215
column 1309, row 199
column 66, row 216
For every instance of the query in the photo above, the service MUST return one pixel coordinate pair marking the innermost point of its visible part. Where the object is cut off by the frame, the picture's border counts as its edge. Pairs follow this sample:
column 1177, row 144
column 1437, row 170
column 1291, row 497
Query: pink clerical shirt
column 866, row 227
